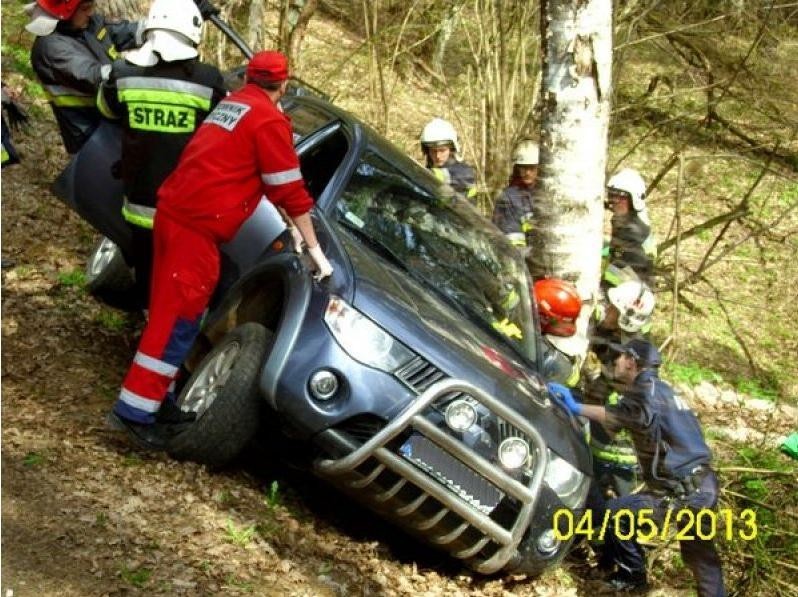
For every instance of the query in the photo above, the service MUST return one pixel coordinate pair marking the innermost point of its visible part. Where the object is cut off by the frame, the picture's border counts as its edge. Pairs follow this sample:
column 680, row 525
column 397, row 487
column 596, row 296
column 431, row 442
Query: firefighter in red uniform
column 243, row 150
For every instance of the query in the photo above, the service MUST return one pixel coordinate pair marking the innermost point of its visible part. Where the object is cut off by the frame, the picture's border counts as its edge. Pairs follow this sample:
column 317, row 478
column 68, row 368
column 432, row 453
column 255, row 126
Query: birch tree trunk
column 576, row 89
column 124, row 9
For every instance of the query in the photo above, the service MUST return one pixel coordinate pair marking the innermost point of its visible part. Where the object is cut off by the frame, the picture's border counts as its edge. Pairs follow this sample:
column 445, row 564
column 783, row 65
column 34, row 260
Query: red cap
column 269, row 67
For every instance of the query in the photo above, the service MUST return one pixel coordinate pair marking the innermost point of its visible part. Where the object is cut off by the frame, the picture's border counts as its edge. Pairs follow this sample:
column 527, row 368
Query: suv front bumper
column 392, row 485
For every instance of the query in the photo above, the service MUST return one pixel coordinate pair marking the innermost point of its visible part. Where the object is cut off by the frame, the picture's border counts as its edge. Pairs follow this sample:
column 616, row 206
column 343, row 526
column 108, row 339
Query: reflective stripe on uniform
column 155, row 365
column 167, row 91
column 103, row 106
column 517, row 239
column 610, row 456
column 66, row 97
column 140, row 402
column 284, row 177
column 138, row 215
column 5, row 155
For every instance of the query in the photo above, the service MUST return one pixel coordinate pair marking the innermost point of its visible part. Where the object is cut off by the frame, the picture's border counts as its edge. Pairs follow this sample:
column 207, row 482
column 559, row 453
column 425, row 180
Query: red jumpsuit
column 243, row 150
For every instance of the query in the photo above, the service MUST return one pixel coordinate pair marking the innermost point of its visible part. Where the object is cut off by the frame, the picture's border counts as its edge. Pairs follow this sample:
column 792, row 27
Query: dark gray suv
column 412, row 373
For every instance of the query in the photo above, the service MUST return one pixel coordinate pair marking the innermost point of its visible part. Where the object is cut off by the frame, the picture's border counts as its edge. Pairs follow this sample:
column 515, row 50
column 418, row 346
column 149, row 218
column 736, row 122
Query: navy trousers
column 698, row 555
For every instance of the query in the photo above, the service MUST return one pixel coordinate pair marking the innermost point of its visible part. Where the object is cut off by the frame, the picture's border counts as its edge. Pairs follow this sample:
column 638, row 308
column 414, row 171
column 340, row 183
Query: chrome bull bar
column 507, row 538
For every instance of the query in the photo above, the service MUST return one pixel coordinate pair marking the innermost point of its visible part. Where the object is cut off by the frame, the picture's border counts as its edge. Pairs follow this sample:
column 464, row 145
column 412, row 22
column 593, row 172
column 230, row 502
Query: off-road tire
column 108, row 277
column 230, row 418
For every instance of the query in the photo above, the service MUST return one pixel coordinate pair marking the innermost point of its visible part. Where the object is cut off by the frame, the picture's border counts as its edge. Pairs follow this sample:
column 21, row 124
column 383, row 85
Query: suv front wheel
column 223, row 392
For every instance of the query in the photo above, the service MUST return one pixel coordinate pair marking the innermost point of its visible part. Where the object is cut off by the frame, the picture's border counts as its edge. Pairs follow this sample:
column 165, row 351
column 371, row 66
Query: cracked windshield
column 444, row 244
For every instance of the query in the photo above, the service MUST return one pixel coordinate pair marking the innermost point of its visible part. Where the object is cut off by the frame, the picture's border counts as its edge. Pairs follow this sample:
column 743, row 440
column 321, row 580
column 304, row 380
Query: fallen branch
column 758, row 503
column 761, row 471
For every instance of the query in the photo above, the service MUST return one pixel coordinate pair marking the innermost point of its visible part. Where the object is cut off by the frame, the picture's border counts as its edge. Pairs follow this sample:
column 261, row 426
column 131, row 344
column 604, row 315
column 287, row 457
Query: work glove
column 207, row 8
column 323, row 267
column 297, row 238
column 564, row 395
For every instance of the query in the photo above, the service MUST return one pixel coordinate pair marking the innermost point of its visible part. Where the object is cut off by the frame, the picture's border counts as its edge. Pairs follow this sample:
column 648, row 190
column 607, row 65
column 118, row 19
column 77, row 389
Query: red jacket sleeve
column 282, row 179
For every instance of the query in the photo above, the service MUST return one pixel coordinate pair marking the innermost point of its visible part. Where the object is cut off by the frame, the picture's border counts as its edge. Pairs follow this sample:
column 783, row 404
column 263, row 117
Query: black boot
column 153, row 436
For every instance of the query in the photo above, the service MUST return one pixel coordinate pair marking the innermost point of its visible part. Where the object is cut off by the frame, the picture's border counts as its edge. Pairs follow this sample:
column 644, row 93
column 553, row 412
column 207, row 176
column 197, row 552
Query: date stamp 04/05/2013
column 689, row 525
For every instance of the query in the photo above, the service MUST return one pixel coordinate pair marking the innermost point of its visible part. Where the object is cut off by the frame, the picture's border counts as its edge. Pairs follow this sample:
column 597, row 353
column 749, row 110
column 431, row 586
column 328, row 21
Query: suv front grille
column 419, row 374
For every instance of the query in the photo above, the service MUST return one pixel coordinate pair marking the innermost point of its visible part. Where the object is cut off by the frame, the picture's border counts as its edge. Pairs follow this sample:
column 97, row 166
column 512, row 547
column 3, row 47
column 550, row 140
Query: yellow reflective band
column 112, row 53
column 102, row 33
column 612, row 399
column 138, row 215
column 103, row 106
column 472, row 192
column 164, row 96
column 72, row 101
column 527, row 226
column 609, row 456
column 508, row 328
column 611, row 277
column 161, row 118
column 5, row 155
column 573, row 379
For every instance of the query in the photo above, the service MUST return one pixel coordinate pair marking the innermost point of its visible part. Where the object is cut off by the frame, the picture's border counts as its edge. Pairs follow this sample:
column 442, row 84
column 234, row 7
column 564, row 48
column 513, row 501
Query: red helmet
column 558, row 306
column 60, row 9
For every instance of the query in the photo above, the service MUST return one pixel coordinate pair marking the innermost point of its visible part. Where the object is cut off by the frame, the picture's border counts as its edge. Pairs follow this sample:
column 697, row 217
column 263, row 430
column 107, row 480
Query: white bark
column 577, row 78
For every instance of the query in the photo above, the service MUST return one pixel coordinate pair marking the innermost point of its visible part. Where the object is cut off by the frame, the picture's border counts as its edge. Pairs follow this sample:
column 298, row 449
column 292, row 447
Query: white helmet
column 439, row 132
column 635, row 303
column 629, row 181
column 527, row 153
column 173, row 30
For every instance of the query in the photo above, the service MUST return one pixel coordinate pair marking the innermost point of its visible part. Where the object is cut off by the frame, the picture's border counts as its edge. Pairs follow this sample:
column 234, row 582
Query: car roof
column 375, row 140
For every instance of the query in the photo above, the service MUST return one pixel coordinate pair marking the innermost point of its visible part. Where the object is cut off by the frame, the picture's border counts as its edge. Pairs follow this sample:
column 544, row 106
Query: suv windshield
column 443, row 242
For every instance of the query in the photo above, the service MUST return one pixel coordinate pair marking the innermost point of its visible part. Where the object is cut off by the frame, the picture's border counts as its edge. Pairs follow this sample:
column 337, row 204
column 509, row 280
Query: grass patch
column 75, row 278
column 690, row 373
column 111, row 320
column 138, row 577
column 33, row 459
column 239, row 535
column 273, row 498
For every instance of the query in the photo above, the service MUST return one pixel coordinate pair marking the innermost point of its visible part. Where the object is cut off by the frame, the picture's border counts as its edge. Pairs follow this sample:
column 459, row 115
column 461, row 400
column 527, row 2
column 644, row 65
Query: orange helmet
column 558, row 306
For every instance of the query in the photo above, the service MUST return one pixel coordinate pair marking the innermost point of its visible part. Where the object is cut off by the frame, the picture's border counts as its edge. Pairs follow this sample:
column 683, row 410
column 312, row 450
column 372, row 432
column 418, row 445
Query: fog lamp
column 323, row 384
column 460, row 415
column 513, row 453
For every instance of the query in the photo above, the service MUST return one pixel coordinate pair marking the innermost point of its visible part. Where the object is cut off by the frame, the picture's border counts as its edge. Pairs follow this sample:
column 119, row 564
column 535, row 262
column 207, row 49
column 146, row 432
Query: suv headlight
column 566, row 481
column 364, row 340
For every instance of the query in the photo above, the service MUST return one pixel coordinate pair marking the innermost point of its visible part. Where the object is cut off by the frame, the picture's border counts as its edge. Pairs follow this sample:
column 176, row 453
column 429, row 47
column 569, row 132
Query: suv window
column 446, row 244
column 305, row 118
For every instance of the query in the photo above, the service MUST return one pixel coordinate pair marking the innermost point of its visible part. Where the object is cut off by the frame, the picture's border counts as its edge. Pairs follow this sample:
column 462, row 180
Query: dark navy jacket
column 665, row 432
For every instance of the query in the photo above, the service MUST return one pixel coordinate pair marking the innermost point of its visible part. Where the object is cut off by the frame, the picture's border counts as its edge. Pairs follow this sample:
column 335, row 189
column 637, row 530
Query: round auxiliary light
column 323, row 384
column 513, row 453
column 460, row 415
column 548, row 542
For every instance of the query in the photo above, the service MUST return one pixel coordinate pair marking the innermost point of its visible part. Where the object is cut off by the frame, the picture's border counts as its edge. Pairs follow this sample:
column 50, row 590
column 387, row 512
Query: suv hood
column 435, row 330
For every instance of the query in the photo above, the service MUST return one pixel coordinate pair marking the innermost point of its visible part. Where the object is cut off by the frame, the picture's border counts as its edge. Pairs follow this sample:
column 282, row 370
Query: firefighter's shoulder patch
column 227, row 114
